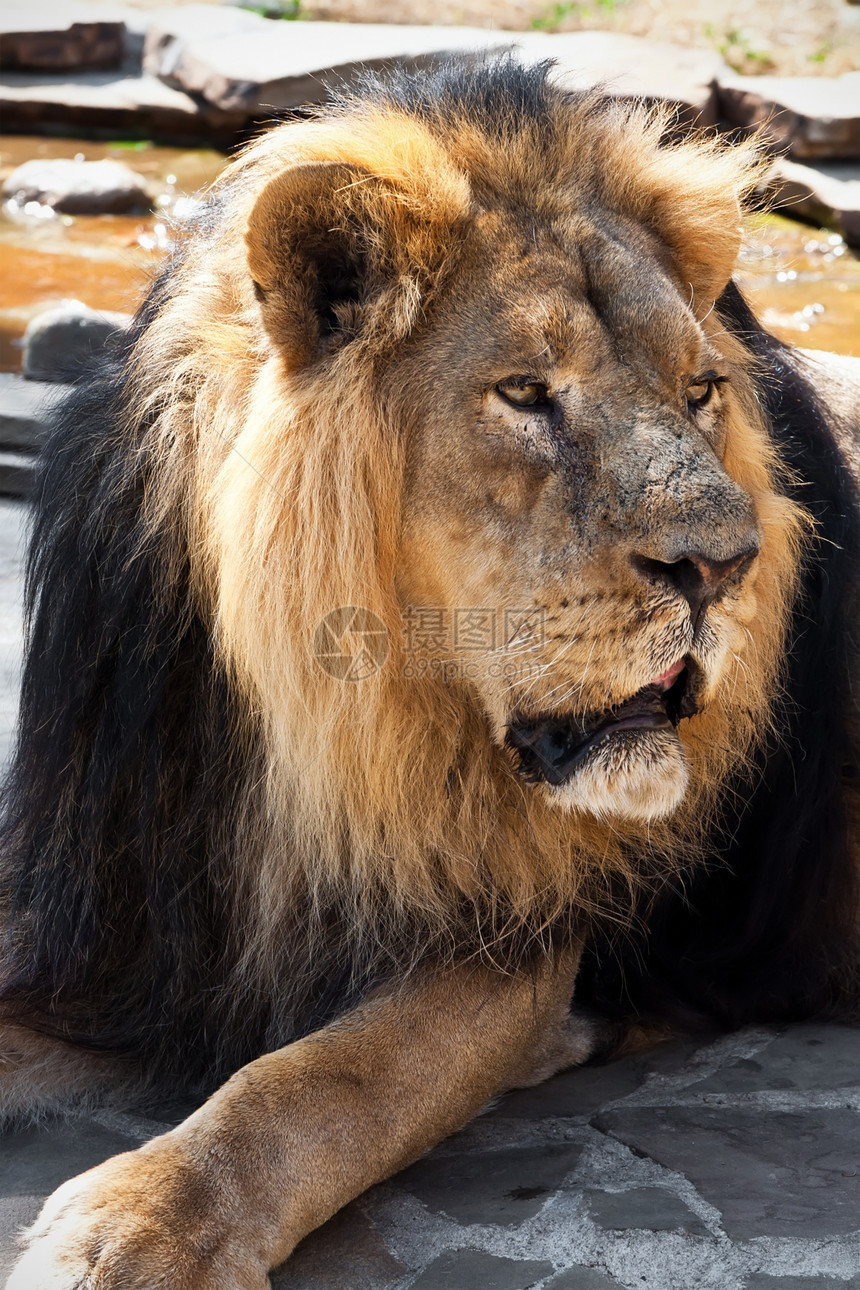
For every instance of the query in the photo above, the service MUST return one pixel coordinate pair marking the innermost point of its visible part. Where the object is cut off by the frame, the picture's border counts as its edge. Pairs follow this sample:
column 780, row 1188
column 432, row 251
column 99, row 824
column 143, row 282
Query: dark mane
column 124, row 734
column 762, row 930
column 139, row 772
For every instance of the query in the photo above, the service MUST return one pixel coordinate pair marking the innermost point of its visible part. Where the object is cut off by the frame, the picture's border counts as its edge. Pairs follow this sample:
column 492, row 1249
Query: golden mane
column 390, row 795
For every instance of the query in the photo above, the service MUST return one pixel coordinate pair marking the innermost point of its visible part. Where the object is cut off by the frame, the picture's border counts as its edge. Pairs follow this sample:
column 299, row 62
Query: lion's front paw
column 146, row 1220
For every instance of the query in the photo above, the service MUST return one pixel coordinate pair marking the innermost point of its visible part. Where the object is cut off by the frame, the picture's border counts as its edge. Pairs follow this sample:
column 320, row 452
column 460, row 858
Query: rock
column 24, row 410
column 240, row 62
column 813, row 116
column 35, row 1161
column 17, row 474
column 347, row 1253
column 59, row 341
column 826, row 194
column 123, row 106
column 761, row 1281
column 581, row 1278
column 809, row 1055
column 586, row 1089
column 632, row 67
column 769, row 1173
column 506, row 1186
column 652, row 1209
column 54, row 35
column 78, row 187
column 474, row 1270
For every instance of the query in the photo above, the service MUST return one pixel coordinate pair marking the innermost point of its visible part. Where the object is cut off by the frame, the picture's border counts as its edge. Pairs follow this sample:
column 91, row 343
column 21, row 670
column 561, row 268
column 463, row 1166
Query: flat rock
column 807, row 1056
column 24, row 410
column 239, row 61
column 762, row 1281
column 506, row 1186
column 347, row 1253
column 583, row 1091
column 60, row 340
column 652, row 1209
column 581, row 1278
column 785, row 1174
column 17, row 473
column 78, row 187
column 631, row 67
column 55, row 35
column 826, row 193
column 113, row 105
column 812, row 116
column 474, row 1270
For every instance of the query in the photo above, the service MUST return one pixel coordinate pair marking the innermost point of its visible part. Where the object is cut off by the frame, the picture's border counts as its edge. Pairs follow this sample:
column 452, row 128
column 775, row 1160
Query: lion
column 445, row 572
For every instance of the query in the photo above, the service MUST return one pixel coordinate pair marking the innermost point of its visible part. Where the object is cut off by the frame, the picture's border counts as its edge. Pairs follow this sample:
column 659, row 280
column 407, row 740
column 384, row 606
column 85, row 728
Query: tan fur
column 313, row 474
column 299, row 467
column 226, row 1196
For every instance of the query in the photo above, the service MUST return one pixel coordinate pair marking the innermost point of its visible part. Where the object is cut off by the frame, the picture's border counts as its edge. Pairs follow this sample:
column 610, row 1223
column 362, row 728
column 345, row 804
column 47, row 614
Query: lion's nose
column 695, row 576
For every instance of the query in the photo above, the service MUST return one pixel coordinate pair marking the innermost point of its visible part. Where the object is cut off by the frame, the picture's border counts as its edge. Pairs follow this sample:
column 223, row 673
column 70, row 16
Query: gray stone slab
column 34, row 1162
column 654, row 1209
column 581, row 1278
column 804, row 1057
column 24, row 410
column 632, row 67
column 768, row 1173
column 505, row 1186
column 473, row 1270
column 16, row 1213
column 582, row 1092
column 814, row 116
column 104, row 187
column 13, row 517
column 762, row 1281
column 348, row 1253
column 107, row 103
column 56, row 34
column 239, row 61
column 826, row 193
column 59, row 341
column 17, row 473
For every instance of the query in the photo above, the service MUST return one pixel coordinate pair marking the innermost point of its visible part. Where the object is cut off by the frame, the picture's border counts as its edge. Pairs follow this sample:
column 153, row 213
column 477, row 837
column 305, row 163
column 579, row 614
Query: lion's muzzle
column 551, row 747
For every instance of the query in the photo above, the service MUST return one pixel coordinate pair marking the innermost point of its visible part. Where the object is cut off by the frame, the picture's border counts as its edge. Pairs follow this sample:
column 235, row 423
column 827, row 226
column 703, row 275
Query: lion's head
column 452, row 355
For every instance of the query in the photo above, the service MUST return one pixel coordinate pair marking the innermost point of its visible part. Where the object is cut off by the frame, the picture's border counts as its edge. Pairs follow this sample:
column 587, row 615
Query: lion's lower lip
column 551, row 747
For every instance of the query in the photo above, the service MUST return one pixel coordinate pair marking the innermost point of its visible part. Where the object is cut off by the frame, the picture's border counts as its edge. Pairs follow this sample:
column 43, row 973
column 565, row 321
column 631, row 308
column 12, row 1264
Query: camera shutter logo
column 351, row 643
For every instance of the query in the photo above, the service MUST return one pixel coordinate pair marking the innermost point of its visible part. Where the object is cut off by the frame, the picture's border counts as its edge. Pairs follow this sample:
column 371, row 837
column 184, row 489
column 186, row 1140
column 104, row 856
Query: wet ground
column 105, row 261
column 804, row 282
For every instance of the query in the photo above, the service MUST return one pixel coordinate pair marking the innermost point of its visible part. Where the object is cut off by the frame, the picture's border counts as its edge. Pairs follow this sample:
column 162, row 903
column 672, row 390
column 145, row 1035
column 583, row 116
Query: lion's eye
column 524, row 394
column 699, row 393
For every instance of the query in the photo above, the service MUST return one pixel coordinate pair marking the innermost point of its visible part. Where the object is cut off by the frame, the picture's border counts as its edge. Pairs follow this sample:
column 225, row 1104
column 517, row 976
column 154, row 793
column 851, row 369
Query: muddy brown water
column 803, row 282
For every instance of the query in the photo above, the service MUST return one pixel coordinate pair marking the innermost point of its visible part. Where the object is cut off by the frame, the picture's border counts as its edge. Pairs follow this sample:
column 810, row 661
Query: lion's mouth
column 551, row 747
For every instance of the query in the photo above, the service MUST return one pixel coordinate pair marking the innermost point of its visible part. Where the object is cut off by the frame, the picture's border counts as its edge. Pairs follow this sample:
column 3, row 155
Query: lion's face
column 496, row 405
column 570, row 529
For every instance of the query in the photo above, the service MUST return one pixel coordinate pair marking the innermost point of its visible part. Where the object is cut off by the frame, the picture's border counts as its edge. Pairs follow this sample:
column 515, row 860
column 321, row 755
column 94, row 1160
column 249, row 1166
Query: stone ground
column 728, row 1164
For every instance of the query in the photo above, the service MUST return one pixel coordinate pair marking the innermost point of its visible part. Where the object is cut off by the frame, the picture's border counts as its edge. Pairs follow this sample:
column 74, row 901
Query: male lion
column 462, row 354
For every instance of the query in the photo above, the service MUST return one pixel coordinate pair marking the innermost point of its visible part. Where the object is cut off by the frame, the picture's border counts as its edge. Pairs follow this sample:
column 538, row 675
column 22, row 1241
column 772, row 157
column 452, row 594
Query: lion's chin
column 634, row 775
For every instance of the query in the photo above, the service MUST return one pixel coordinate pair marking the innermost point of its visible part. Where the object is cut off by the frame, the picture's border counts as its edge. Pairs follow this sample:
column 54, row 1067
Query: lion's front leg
column 218, row 1201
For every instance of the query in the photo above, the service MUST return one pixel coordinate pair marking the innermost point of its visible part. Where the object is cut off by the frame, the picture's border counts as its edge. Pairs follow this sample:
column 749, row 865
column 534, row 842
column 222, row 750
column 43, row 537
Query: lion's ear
column 705, row 244
column 324, row 239
column 697, row 191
